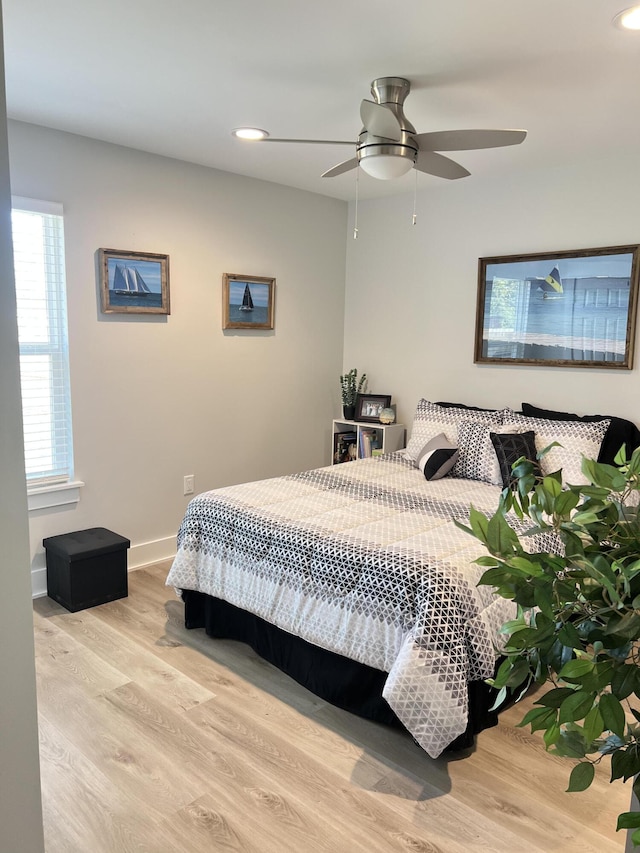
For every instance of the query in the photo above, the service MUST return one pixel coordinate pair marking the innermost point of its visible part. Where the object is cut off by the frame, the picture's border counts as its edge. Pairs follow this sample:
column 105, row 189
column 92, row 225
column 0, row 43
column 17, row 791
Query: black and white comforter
column 362, row 559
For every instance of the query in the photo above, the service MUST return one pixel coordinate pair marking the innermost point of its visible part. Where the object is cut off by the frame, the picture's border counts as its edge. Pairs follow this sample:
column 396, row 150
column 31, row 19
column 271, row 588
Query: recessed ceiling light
column 249, row 133
column 629, row 19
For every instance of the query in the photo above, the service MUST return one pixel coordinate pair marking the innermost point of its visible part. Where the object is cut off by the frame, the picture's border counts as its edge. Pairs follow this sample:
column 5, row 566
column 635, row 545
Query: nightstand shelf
column 356, row 440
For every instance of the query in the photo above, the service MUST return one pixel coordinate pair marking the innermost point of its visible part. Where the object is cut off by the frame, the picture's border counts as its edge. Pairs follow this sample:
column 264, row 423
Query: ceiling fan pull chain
column 355, row 218
column 414, row 218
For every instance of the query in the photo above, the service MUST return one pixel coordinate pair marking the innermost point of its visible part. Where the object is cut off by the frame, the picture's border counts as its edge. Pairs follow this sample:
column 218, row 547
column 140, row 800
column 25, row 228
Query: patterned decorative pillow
column 437, row 457
column 509, row 448
column 621, row 431
column 578, row 439
column 431, row 419
column 478, row 459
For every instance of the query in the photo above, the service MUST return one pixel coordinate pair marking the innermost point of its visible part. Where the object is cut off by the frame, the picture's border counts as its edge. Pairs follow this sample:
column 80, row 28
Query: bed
column 354, row 578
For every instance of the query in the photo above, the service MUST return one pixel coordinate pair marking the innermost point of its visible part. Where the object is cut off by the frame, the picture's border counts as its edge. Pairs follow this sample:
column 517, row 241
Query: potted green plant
column 350, row 387
column 578, row 612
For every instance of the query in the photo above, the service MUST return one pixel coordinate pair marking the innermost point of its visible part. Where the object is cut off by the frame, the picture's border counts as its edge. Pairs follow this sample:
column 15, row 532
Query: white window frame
column 56, row 487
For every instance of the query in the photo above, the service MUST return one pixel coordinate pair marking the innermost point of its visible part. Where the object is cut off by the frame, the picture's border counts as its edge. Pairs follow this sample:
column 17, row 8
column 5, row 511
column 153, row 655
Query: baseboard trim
column 139, row 556
column 38, row 579
column 146, row 553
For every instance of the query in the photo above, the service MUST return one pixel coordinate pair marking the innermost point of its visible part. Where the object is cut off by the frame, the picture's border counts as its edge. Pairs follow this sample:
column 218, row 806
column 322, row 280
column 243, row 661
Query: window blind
column 38, row 246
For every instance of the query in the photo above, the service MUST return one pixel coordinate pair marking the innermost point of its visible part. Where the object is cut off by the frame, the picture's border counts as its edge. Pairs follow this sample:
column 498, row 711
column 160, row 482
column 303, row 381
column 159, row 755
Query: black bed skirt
column 345, row 683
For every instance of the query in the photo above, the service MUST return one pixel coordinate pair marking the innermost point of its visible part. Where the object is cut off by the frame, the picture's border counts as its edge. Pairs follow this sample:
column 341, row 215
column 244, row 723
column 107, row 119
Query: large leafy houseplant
column 578, row 612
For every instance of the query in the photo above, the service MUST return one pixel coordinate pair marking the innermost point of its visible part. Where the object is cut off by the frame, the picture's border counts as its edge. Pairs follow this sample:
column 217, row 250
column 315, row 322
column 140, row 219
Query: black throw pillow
column 510, row 447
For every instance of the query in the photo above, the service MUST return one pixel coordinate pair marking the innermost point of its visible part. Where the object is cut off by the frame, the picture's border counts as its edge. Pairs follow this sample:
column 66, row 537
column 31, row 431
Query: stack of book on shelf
column 370, row 444
column 345, row 446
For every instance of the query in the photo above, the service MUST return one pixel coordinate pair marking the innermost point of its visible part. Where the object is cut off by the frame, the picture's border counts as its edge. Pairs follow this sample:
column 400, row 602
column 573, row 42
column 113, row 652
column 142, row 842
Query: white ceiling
column 174, row 78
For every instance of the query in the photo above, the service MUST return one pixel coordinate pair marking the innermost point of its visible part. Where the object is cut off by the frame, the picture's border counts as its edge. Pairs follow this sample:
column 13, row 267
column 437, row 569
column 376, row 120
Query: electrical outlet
column 189, row 484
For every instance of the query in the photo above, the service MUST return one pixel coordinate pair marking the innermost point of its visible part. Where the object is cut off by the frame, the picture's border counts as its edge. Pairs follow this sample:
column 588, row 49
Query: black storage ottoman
column 86, row 568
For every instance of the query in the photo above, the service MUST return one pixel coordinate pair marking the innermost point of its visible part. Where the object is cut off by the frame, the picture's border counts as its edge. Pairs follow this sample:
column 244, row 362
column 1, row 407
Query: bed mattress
column 362, row 559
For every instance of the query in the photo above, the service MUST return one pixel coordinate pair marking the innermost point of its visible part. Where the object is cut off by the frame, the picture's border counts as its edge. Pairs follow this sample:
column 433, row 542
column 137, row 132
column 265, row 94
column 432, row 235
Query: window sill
column 47, row 497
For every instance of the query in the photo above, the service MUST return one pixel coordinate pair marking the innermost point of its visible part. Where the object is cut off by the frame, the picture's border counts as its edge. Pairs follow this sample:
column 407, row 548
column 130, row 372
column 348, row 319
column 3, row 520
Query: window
column 38, row 245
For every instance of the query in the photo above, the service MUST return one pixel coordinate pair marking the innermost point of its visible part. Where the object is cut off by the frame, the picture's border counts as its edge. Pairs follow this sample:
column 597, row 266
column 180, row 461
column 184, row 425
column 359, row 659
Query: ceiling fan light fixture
column 629, row 19
column 253, row 134
column 385, row 167
column 388, row 145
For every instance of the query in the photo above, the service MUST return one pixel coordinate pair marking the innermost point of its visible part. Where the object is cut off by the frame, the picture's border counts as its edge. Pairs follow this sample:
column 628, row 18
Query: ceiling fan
column 389, row 146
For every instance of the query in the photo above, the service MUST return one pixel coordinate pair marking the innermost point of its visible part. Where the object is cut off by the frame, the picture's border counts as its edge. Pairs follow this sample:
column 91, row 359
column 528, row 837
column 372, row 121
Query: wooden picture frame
column 248, row 301
column 369, row 406
column 133, row 282
column 558, row 309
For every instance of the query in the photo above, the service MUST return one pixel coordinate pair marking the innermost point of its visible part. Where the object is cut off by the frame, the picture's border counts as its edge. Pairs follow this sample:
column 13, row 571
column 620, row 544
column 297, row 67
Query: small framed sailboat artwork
column 247, row 301
column 134, row 282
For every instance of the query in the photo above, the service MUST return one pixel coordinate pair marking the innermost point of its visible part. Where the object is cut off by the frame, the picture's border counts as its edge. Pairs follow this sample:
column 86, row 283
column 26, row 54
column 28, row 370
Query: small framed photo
column 369, row 406
column 133, row 282
column 247, row 301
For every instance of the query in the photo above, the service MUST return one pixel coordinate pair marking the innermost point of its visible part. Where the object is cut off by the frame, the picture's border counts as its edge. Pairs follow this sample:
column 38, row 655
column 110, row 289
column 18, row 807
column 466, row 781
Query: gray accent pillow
column 437, row 457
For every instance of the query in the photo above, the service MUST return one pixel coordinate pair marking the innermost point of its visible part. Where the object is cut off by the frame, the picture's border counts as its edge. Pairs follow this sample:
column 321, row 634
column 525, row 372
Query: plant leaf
column 612, row 714
column 623, row 680
column 569, row 636
column 539, row 718
column 501, row 538
column 481, row 561
column 576, row 707
column 551, row 735
column 581, row 777
column 625, row 763
column 526, row 565
column 479, row 524
column 566, row 501
column 593, row 725
column 571, row 743
column 501, row 696
column 575, row 669
column 552, row 486
column 518, row 674
column 603, row 475
column 621, row 456
column 628, row 820
column 554, row 698
column 627, row 627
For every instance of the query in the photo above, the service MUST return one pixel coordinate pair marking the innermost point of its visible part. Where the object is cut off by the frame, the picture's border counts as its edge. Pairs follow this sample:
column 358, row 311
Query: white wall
column 155, row 398
column 20, row 806
column 411, row 290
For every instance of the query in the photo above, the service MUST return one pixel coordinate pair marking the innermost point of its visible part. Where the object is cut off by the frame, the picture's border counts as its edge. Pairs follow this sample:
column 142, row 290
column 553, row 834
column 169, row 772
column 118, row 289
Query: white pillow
column 430, row 420
column 578, row 439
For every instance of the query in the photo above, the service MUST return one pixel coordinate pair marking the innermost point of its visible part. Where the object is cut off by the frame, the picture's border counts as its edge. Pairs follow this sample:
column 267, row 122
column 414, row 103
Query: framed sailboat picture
column 247, row 301
column 134, row 282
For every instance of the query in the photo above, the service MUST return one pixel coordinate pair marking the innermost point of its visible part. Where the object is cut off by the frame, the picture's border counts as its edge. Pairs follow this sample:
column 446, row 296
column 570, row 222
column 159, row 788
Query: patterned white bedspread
column 362, row 559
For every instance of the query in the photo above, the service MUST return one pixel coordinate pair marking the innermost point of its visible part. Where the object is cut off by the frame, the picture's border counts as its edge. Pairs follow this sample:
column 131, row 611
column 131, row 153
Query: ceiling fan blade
column 341, row 167
column 380, row 121
column 468, row 140
column 308, row 141
column 441, row 167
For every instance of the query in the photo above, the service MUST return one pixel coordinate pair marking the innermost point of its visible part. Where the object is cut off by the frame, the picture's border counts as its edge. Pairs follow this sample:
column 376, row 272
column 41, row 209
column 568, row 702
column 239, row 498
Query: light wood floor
column 154, row 738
